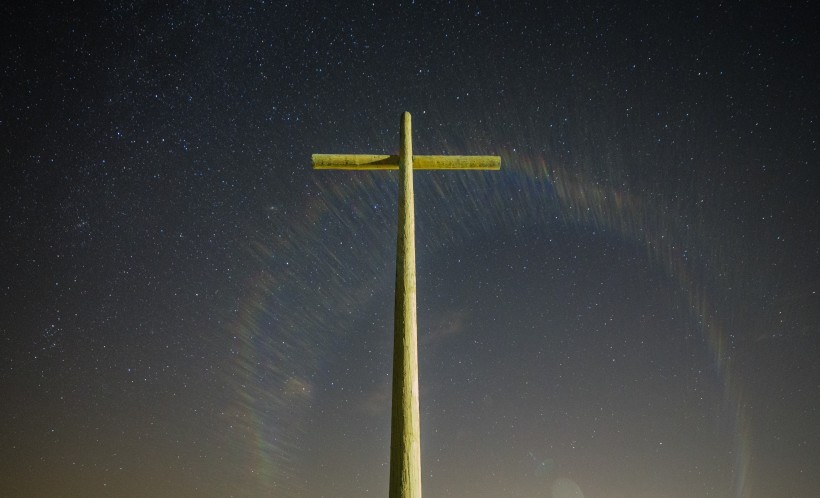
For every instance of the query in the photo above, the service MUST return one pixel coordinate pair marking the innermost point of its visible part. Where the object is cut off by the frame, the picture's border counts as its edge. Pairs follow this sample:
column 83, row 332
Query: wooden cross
column 405, row 449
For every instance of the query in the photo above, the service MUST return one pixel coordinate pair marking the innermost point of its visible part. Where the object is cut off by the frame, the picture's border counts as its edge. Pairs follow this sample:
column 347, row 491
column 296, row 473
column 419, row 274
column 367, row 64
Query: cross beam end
column 354, row 161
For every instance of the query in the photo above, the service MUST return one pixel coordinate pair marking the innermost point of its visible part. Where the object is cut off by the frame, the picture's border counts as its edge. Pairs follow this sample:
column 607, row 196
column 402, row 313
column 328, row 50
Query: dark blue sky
column 629, row 308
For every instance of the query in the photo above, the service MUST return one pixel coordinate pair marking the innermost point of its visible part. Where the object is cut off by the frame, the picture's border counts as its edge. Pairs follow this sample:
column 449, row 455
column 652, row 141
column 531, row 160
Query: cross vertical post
column 405, row 435
column 405, row 449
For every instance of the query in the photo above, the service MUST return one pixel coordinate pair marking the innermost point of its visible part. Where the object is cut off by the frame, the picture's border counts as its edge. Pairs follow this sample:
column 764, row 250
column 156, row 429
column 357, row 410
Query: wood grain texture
column 405, row 436
column 385, row 162
column 405, row 446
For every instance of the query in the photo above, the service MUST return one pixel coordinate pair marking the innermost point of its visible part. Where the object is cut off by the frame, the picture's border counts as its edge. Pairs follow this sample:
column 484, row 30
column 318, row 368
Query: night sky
column 628, row 309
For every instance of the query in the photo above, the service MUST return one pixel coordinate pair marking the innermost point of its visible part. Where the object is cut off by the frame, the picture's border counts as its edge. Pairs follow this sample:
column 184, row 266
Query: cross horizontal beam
column 374, row 161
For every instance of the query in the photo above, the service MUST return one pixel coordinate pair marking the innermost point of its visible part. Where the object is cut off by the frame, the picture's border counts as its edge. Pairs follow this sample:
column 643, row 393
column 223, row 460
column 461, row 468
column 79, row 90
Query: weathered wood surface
column 380, row 162
column 405, row 445
column 405, row 437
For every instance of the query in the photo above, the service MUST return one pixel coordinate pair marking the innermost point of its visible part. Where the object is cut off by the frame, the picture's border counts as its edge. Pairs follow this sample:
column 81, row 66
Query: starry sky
column 628, row 309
